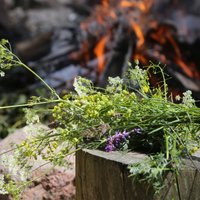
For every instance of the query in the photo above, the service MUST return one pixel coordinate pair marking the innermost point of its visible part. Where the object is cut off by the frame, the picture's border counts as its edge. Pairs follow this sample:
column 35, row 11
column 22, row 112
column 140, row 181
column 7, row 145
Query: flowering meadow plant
column 114, row 142
column 127, row 115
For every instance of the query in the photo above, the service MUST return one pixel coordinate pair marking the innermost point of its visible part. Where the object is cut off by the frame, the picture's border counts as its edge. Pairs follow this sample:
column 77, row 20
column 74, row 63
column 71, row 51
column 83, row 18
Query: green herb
column 128, row 113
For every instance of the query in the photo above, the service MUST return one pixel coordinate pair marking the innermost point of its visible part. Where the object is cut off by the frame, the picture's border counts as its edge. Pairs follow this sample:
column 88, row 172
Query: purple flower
column 116, row 140
column 137, row 130
column 110, row 147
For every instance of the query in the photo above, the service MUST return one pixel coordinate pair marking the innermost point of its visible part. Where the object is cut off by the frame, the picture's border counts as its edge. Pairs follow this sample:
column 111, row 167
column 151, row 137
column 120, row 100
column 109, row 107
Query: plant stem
column 167, row 146
column 39, row 77
column 29, row 104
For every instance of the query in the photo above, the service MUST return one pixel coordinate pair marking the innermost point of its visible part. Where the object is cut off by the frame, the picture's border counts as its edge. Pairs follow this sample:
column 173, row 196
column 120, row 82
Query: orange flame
column 99, row 52
column 157, row 37
column 113, row 14
column 143, row 6
column 141, row 58
column 138, row 32
column 184, row 67
column 106, row 14
column 105, row 3
column 139, row 5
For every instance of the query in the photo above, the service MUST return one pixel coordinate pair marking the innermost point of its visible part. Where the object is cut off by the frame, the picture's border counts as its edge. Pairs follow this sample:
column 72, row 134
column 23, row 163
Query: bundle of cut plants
column 127, row 115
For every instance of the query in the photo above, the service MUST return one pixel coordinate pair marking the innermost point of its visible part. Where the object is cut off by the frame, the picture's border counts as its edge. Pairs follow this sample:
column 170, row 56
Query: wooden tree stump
column 104, row 176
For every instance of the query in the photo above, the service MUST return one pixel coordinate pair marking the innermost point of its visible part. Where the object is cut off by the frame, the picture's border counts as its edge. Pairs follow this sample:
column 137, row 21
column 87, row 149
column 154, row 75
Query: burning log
column 124, row 46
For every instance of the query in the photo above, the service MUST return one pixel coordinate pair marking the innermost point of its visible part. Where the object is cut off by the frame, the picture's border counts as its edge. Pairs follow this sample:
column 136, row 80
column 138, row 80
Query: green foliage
column 88, row 117
column 6, row 57
column 151, row 170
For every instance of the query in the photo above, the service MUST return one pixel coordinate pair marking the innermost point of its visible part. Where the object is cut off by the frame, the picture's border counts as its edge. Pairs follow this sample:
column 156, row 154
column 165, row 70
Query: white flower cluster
column 187, row 99
column 82, row 86
column 10, row 166
column 114, row 84
column 2, row 185
column 31, row 116
column 2, row 73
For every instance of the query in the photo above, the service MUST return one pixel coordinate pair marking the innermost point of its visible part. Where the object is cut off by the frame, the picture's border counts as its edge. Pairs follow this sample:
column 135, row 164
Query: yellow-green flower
column 145, row 89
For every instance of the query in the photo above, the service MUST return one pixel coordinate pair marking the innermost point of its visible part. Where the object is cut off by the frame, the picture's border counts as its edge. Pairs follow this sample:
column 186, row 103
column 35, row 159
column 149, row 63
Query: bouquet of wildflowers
column 127, row 115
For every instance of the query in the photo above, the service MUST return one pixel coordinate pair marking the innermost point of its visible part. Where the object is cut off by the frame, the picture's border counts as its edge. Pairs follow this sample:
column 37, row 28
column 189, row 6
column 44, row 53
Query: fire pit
column 109, row 33
column 115, row 32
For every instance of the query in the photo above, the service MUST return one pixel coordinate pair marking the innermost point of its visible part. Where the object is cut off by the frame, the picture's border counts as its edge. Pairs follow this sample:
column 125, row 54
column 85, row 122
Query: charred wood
column 125, row 42
column 79, row 8
column 34, row 49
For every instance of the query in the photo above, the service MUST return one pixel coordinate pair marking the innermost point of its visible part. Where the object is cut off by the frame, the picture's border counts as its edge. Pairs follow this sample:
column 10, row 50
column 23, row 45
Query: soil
column 56, row 185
